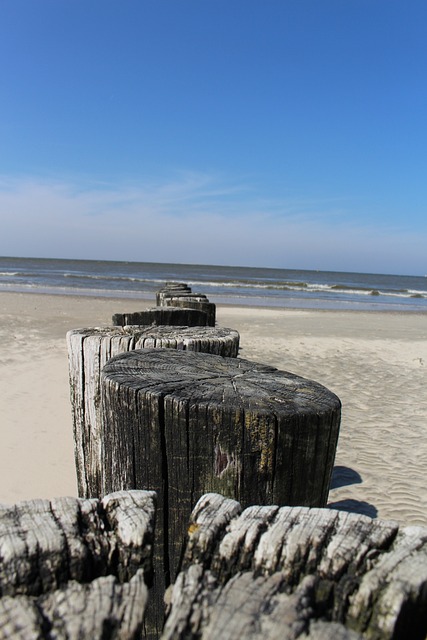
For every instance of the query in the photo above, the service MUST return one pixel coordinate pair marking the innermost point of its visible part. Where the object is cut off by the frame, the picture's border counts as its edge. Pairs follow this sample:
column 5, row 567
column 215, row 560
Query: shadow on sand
column 355, row 506
column 343, row 477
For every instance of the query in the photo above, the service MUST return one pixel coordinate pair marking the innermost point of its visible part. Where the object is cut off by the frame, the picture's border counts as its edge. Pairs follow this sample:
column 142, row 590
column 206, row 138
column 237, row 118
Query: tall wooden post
column 184, row 423
column 90, row 349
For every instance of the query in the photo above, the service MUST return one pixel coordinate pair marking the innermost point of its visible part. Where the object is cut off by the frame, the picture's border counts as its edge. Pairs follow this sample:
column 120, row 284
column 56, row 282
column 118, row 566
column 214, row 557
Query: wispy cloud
column 195, row 217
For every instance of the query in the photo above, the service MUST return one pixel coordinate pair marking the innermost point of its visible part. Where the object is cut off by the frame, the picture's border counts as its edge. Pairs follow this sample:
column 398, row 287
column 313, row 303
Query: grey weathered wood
column 268, row 435
column 171, row 316
column 209, row 308
column 90, row 349
column 289, row 573
column 102, row 609
column 72, row 568
column 190, row 295
column 175, row 287
column 180, row 295
column 184, row 423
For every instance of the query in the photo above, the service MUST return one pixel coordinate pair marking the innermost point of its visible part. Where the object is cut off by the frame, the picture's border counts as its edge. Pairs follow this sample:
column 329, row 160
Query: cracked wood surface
column 90, row 349
column 298, row 573
column 72, row 568
column 184, row 423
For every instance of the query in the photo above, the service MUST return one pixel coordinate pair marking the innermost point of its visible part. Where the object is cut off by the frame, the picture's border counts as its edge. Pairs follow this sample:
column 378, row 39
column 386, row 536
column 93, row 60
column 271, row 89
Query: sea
column 246, row 286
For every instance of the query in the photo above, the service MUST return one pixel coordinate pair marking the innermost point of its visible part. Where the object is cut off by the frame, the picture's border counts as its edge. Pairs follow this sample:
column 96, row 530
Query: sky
column 275, row 133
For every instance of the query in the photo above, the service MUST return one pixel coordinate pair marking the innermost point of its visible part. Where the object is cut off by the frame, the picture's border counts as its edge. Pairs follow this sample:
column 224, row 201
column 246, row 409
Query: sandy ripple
column 378, row 369
column 375, row 362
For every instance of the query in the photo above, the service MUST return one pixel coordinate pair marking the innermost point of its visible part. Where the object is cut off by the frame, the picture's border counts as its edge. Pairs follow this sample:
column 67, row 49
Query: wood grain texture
column 90, row 349
column 72, row 568
column 256, row 433
column 280, row 572
column 184, row 423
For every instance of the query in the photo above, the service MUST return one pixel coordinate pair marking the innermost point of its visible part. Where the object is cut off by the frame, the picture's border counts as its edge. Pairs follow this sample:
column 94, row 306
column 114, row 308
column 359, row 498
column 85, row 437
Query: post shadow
column 355, row 506
column 343, row 477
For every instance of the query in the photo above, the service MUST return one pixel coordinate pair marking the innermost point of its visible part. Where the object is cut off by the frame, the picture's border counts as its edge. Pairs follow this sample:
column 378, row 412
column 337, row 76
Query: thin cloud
column 196, row 218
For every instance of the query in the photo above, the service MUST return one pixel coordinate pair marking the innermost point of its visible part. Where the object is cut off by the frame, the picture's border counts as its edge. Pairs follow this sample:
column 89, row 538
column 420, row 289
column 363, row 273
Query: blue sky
column 281, row 133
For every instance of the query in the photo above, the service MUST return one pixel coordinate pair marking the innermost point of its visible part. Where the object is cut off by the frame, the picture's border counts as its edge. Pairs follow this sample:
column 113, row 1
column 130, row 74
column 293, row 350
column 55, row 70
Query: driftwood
column 170, row 316
column 90, row 349
column 291, row 573
column 184, row 423
column 73, row 568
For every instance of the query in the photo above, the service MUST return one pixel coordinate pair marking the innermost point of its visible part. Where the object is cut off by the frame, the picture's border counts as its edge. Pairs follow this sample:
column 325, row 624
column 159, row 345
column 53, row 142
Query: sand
column 375, row 362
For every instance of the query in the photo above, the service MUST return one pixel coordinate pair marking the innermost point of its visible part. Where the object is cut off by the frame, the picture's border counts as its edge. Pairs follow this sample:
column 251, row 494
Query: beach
column 374, row 361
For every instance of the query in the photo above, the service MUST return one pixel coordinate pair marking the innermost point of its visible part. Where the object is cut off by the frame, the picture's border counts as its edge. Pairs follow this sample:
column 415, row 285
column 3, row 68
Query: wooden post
column 271, row 572
column 166, row 295
column 73, row 568
column 180, row 295
column 209, row 308
column 90, row 349
column 183, row 423
column 176, row 287
column 170, row 316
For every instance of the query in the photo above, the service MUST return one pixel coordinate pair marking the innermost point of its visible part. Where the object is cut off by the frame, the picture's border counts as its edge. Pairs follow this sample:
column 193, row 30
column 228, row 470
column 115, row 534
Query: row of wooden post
column 172, row 409
column 166, row 416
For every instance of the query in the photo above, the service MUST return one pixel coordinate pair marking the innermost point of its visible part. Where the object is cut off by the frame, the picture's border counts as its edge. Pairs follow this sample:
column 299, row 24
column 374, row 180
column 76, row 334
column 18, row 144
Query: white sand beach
column 375, row 362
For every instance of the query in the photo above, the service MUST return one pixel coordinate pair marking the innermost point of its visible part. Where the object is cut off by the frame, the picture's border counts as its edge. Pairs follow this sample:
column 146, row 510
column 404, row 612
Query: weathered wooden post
column 180, row 295
column 185, row 423
column 90, row 349
column 172, row 287
column 209, row 308
column 73, row 568
column 170, row 316
column 293, row 572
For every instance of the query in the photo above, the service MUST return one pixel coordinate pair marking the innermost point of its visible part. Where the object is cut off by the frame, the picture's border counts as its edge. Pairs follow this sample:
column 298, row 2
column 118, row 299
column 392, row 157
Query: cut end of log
column 76, row 567
column 289, row 572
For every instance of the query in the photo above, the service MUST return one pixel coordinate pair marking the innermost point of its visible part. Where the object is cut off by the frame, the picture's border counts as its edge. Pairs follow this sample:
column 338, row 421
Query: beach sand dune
column 375, row 362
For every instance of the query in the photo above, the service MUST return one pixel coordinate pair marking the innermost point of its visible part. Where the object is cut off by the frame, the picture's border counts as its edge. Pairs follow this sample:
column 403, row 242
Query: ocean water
column 247, row 286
